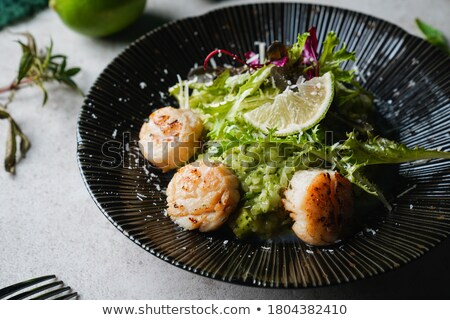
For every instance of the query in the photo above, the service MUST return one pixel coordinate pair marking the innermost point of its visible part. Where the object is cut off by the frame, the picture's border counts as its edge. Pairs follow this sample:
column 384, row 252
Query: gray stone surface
column 50, row 225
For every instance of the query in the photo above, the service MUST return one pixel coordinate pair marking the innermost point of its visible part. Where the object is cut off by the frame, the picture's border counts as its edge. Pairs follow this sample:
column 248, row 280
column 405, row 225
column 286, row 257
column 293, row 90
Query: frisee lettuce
column 331, row 59
column 378, row 150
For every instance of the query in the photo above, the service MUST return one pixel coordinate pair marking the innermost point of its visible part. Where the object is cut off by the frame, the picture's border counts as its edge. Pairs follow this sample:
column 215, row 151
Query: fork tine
column 68, row 296
column 21, row 285
column 27, row 294
column 51, row 293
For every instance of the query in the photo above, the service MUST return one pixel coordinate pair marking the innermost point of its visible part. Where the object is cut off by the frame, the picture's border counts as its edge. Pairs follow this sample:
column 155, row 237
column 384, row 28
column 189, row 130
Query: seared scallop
column 321, row 203
column 170, row 137
column 202, row 196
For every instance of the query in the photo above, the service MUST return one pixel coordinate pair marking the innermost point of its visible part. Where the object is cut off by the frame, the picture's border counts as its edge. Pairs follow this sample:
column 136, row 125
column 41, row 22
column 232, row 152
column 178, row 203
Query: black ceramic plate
column 408, row 76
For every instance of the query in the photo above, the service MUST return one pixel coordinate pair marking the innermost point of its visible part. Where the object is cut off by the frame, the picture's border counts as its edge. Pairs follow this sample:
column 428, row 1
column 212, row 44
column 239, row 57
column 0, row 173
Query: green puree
column 264, row 171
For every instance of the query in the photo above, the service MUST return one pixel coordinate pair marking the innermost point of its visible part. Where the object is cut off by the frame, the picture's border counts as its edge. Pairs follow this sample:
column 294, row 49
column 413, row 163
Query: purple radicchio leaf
column 310, row 54
column 281, row 62
column 251, row 59
column 254, row 62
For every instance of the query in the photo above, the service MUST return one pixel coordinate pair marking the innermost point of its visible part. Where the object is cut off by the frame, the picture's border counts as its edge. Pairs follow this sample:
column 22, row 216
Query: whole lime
column 98, row 18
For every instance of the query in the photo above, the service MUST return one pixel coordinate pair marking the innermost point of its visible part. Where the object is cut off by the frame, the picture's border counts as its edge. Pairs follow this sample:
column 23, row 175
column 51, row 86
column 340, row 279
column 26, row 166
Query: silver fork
column 49, row 288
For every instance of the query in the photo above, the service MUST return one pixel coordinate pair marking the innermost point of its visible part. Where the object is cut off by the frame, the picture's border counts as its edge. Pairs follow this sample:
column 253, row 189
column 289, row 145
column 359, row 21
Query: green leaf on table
column 31, row 42
column 10, row 152
column 13, row 133
column 72, row 71
column 24, row 142
column 62, row 66
column 433, row 36
column 26, row 62
column 36, row 67
column 48, row 56
column 3, row 113
column 44, row 91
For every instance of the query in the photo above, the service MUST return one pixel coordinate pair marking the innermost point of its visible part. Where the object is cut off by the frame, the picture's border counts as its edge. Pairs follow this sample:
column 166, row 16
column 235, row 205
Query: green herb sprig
column 36, row 68
column 433, row 36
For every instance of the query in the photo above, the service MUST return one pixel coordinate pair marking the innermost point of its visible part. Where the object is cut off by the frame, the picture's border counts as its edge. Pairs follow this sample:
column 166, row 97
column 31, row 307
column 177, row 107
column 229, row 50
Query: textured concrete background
column 49, row 224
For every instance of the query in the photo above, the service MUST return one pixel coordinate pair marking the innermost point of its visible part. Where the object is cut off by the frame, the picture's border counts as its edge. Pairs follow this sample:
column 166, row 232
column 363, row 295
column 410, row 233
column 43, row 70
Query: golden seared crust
column 343, row 199
column 318, row 207
column 171, row 137
column 320, row 203
column 202, row 196
column 166, row 123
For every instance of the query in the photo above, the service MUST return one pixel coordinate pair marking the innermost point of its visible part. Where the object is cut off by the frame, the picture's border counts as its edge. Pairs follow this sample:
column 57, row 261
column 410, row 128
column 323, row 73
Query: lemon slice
column 292, row 112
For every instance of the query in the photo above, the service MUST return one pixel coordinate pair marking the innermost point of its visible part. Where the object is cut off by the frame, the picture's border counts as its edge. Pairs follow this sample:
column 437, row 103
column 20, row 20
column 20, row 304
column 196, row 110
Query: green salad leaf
column 353, row 155
column 378, row 150
column 295, row 53
column 353, row 104
column 331, row 59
